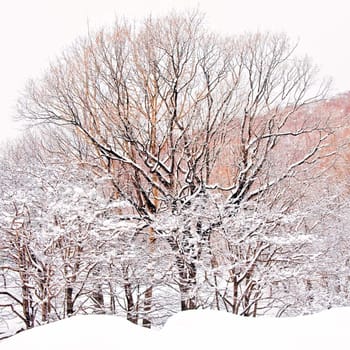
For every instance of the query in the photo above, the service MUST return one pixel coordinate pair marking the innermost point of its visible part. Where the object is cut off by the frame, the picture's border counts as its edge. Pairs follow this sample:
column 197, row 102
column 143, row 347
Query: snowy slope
column 191, row 330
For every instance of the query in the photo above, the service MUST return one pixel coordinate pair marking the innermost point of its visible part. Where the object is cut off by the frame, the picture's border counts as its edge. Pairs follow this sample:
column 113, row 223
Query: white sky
column 33, row 31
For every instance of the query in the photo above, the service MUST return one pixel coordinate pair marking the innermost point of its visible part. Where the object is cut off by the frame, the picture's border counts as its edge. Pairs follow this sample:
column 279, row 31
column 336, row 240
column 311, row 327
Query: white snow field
column 201, row 329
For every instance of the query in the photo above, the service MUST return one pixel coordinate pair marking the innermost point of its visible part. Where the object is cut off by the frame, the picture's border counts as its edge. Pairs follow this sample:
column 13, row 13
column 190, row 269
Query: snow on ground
column 191, row 330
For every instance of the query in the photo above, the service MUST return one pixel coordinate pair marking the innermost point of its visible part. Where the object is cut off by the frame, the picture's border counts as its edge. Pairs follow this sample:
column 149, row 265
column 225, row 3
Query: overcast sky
column 33, row 31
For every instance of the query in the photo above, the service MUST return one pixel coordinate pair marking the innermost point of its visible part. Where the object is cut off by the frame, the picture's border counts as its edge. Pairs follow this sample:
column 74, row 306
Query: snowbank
column 191, row 330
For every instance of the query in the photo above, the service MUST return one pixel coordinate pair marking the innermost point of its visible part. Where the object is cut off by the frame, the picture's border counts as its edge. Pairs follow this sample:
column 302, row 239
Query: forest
column 170, row 168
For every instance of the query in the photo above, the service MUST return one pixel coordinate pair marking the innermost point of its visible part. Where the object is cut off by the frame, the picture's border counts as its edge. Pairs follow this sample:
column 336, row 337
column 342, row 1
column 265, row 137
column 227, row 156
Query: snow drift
column 191, row 330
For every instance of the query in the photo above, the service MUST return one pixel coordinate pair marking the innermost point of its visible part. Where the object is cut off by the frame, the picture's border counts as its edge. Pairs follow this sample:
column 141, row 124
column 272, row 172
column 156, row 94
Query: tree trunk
column 131, row 314
column 69, row 301
column 27, row 307
column 147, row 307
column 45, row 310
column 187, row 284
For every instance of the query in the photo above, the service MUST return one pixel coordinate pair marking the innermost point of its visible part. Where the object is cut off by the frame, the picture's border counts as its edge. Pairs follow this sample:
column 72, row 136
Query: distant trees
column 190, row 147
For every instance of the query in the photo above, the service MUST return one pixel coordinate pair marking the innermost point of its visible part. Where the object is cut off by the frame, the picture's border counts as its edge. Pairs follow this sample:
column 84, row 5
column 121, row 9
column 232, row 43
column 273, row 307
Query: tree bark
column 187, row 284
column 69, row 301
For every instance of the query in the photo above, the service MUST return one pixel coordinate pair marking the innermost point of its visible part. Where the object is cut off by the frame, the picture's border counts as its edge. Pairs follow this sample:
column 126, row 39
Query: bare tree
column 176, row 114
